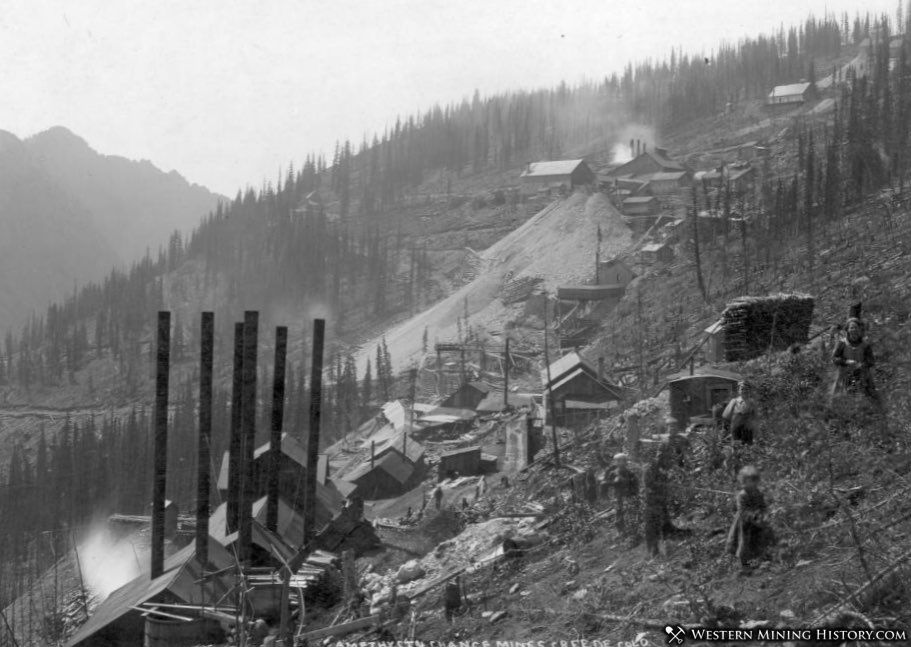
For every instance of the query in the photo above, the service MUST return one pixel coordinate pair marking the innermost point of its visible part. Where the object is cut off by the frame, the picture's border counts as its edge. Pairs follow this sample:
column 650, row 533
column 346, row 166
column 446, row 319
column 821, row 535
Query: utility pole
column 549, row 396
column 506, row 373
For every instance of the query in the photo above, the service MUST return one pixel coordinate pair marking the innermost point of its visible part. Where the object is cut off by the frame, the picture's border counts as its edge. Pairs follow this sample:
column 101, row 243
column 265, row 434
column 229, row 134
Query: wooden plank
column 344, row 628
column 146, row 612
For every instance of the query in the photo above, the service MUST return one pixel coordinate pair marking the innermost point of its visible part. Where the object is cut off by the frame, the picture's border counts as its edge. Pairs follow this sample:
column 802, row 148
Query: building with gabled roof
column 572, row 173
column 573, row 390
column 116, row 621
column 648, row 162
column 791, row 94
column 292, row 468
column 467, row 396
column 385, row 477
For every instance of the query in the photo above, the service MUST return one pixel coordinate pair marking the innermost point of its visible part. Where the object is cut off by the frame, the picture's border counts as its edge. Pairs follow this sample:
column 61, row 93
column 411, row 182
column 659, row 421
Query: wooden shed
column 693, row 395
column 657, row 253
column 641, row 206
column 467, row 396
column 465, row 461
column 793, row 94
column 571, row 173
column 668, row 182
column 575, row 392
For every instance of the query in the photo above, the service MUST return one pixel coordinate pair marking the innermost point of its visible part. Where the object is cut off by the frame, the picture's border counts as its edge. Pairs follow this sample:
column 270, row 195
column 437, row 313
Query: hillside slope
column 557, row 245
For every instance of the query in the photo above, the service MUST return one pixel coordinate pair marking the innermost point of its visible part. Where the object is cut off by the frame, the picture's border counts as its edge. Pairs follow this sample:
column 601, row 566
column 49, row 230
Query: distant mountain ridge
column 68, row 215
column 135, row 204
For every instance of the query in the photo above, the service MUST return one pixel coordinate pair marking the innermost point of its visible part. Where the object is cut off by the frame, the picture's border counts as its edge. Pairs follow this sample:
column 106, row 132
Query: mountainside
column 48, row 239
column 69, row 214
column 133, row 204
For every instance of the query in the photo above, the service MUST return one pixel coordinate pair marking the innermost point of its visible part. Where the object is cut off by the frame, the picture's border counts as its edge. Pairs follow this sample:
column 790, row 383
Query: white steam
column 620, row 154
column 108, row 562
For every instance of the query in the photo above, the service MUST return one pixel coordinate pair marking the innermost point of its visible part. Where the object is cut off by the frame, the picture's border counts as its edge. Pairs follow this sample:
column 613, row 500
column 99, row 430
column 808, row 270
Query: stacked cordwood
column 752, row 325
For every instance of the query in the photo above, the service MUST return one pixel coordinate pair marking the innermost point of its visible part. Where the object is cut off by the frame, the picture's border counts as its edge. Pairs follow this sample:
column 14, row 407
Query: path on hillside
column 557, row 245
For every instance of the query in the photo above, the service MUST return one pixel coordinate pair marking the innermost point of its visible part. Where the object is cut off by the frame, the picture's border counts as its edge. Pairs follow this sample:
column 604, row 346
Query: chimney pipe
column 206, row 356
column 638, row 147
column 316, row 393
column 161, row 442
column 236, row 444
column 372, row 453
column 248, row 435
column 278, row 414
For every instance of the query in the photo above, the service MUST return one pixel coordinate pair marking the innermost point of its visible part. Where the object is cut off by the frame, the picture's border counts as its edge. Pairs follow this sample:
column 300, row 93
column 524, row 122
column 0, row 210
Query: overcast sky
column 228, row 91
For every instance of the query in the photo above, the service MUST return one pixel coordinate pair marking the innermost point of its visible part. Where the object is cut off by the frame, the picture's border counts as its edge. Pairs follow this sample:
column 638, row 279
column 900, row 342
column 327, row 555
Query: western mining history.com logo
column 678, row 635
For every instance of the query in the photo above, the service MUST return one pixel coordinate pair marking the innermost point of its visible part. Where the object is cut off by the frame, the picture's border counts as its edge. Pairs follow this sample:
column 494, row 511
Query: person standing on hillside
column 438, row 496
column 626, row 489
column 749, row 535
column 853, row 356
column 655, row 480
column 452, row 598
column 741, row 414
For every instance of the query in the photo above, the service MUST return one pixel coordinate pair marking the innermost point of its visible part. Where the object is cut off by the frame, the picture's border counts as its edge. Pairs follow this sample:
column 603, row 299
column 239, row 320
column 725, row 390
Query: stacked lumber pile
column 519, row 289
column 752, row 325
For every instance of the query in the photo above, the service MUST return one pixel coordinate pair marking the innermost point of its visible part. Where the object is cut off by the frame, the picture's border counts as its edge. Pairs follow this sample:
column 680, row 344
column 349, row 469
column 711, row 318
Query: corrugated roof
column 556, row 167
column 788, row 90
column 640, row 200
column 615, row 391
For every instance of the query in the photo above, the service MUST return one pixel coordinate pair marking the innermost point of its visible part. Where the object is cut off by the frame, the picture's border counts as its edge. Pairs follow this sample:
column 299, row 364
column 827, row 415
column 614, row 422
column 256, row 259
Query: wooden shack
column 575, row 392
column 657, row 253
column 467, row 396
column 694, row 394
column 465, row 461
column 714, row 345
column 569, row 173
column 641, row 206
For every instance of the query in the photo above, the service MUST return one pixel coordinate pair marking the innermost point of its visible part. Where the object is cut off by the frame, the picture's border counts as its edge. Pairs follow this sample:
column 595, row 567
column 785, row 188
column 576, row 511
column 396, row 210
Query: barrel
column 163, row 632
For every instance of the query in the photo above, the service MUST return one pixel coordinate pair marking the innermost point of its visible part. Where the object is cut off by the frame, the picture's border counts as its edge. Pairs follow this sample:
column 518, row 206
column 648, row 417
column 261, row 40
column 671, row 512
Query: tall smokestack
column 248, row 435
column 236, row 444
column 638, row 147
column 278, row 416
column 316, row 394
column 161, row 442
column 206, row 356
column 632, row 149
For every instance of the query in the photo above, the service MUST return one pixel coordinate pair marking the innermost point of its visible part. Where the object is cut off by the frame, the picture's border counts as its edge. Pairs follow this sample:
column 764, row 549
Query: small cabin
column 465, row 461
column 694, row 394
column 570, row 173
column 668, row 182
column 576, row 393
column 791, row 95
column 641, row 206
column 657, row 253
column 468, row 396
